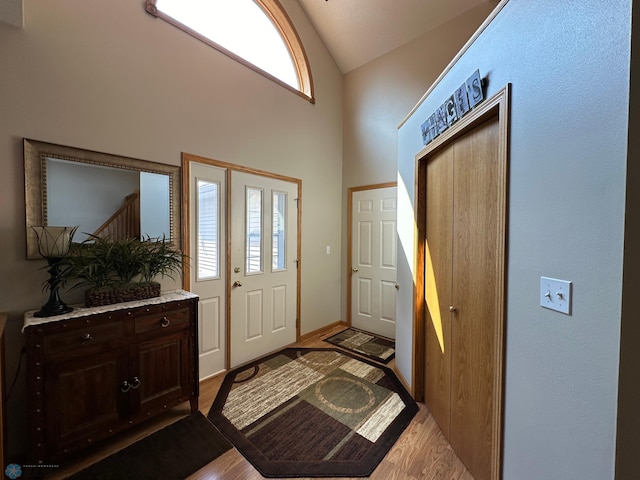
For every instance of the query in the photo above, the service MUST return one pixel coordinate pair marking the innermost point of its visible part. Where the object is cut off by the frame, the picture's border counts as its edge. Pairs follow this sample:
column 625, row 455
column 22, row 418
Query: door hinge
column 297, row 262
column 296, row 200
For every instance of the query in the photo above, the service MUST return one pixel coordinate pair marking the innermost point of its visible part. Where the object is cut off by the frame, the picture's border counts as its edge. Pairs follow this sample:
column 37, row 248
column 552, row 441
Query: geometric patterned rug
column 368, row 344
column 312, row 413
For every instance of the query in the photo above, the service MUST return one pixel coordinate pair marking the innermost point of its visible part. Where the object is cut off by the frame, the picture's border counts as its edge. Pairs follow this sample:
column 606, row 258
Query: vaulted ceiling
column 357, row 31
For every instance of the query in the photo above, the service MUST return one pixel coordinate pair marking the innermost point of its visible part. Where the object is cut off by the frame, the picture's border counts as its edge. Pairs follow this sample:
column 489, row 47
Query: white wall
column 155, row 217
column 111, row 78
column 568, row 63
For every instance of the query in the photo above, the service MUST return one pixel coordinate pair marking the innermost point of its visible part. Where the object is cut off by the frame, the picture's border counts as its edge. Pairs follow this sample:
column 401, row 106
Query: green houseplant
column 120, row 270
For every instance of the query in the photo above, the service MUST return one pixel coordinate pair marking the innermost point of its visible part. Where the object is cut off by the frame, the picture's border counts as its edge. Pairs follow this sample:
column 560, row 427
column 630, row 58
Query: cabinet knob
column 125, row 387
column 87, row 337
column 165, row 322
column 452, row 309
column 135, row 383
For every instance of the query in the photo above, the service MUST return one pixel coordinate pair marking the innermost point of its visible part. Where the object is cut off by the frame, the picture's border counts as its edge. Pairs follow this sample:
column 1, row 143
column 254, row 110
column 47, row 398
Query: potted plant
column 120, row 270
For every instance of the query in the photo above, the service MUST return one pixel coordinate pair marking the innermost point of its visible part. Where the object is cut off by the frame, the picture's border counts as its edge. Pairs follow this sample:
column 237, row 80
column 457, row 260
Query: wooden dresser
column 98, row 371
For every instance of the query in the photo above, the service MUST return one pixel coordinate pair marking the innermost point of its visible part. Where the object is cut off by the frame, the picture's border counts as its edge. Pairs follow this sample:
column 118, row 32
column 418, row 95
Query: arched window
column 257, row 33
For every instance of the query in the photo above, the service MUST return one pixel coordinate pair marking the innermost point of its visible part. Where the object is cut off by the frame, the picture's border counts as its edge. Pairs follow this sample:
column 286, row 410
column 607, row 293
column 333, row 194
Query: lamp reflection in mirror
column 53, row 245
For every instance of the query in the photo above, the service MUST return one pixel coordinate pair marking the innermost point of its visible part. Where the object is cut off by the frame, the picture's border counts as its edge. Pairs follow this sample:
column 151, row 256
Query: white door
column 373, row 257
column 207, row 252
column 264, row 233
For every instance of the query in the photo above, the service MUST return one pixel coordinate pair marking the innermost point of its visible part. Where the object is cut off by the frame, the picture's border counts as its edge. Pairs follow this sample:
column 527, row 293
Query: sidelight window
column 208, row 228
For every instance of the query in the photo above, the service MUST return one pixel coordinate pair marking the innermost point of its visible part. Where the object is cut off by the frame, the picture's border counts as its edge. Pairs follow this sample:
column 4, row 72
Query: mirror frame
column 35, row 155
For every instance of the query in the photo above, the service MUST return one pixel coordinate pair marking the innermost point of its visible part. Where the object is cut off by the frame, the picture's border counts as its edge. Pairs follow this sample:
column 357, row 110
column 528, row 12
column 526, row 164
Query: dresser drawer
column 82, row 337
column 162, row 320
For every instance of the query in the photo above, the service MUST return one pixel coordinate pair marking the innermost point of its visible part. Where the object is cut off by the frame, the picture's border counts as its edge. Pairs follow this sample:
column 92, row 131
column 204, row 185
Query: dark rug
column 312, row 413
column 363, row 343
column 175, row 452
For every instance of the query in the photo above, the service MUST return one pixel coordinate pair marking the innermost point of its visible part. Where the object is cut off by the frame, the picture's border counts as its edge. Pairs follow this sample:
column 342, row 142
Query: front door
column 373, row 260
column 264, row 233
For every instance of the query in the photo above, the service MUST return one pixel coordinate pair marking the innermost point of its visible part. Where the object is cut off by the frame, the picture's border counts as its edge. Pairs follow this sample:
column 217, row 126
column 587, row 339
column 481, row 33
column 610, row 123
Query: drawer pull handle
column 165, row 322
column 125, row 386
column 87, row 337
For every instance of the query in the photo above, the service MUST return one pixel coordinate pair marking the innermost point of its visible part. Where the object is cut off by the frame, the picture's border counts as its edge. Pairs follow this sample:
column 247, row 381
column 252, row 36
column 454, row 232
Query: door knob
column 354, row 269
column 237, row 283
column 236, row 269
column 397, row 285
column 452, row 308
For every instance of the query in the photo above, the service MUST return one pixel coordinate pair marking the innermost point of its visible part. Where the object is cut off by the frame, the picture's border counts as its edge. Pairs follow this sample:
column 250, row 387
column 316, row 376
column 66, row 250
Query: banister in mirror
column 100, row 192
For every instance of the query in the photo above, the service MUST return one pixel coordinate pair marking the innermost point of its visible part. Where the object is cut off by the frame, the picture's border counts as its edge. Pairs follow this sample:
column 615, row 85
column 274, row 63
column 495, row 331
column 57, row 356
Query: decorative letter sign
column 466, row 97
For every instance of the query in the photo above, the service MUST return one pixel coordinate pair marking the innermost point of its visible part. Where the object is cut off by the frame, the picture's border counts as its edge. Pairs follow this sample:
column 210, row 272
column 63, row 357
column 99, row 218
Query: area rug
column 372, row 346
column 175, row 452
column 312, row 413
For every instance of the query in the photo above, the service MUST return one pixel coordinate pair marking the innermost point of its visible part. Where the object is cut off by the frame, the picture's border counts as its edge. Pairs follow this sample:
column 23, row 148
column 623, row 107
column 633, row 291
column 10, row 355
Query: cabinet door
column 83, row 398
column 163, row 372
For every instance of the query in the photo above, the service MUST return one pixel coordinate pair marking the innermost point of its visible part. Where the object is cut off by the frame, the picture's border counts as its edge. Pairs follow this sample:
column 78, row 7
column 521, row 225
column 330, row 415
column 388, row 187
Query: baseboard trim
column 322, row 331
column 404, row 382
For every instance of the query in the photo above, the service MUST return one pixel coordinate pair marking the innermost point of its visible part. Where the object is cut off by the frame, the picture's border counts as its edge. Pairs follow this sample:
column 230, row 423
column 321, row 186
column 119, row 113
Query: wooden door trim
column 351, row 191
column 497, row 106
column 187, row 158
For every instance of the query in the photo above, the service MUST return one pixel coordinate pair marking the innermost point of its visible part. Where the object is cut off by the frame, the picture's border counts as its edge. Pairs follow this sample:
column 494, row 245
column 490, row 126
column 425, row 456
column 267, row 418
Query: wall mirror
column 104, row 194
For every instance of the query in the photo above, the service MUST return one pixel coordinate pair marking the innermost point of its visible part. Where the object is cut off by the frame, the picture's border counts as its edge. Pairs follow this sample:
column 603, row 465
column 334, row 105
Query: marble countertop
column 81, row 311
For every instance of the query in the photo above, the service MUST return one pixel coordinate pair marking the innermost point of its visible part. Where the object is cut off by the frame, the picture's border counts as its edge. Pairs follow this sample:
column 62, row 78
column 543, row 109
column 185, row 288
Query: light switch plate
column 556, row 294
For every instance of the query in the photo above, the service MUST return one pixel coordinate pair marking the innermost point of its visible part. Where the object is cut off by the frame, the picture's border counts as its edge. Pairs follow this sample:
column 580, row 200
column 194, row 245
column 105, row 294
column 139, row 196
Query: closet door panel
column 438, row 253
column 476, row 281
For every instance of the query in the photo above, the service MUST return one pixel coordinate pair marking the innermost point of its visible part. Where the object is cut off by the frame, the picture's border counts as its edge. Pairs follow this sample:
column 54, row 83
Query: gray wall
column 628, row 440
column 568, row 63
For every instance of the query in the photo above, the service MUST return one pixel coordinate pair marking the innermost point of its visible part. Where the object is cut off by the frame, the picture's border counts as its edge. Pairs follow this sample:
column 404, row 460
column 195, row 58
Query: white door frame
column 186, row 231
column 350, row 233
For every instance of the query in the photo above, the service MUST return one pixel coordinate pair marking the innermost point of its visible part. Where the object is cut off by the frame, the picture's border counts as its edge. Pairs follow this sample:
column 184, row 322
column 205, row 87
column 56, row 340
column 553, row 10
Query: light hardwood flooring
column 421, row 452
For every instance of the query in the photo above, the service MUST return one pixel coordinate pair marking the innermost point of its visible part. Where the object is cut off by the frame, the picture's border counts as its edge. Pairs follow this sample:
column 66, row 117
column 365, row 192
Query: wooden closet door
column 478, row 231
column 464, row 264
column 438, row 276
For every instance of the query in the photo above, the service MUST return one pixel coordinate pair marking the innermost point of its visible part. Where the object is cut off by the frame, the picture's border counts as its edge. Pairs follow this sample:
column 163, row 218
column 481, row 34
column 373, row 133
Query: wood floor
column 421, row 452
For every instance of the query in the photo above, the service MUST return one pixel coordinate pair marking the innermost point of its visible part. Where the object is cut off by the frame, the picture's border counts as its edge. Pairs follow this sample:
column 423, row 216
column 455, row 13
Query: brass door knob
column 354, row 269
column 452, row 309
column 237, row 283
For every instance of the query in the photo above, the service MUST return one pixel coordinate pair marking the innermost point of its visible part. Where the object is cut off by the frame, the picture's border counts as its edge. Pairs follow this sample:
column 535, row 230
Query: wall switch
column 328, row 249
column 555, row 294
